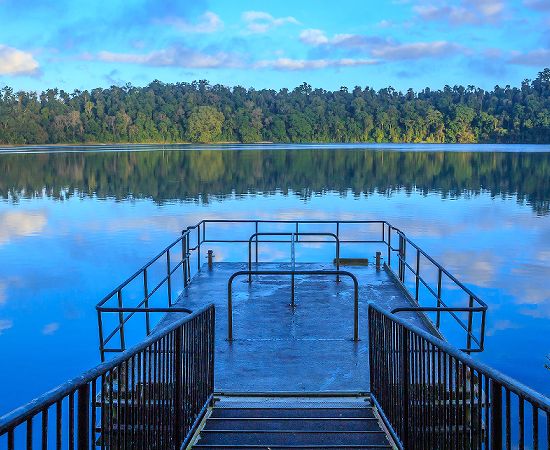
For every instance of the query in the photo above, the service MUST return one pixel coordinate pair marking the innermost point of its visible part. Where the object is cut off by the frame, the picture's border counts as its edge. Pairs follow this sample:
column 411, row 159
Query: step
column 293, row 413
column 296, row 424
column 292, row 438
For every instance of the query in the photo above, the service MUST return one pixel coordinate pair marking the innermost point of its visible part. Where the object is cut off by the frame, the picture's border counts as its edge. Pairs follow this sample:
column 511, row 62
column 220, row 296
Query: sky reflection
column 60, row 257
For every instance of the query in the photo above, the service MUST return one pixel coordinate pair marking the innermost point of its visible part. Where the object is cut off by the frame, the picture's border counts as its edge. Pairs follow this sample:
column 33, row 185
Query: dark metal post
column 83, row 417
column 405, row 385
column 355, row 309
column 470, row 320
column 337, row 258
column 250, row 257
column 256, row 243
column 210, row 257
column 178, row 392
column 378, row 258
column 146, row 302
column 438, row 314
column 292, row 300
column 169, row 277
column 496, row 415
column 229, row 310
column 199, row 248
column 389, row 245
column 100, row 329
column 417, row 274
column 121, row 321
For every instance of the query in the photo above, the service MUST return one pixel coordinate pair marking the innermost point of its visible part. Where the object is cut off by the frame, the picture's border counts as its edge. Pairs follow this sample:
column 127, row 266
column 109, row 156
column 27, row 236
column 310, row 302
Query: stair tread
column 272, row 438
column 293, row 424
column 365, row 412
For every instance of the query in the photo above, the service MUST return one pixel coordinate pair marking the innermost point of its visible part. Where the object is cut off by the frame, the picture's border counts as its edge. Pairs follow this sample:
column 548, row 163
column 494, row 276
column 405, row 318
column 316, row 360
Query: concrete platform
column 277, row 348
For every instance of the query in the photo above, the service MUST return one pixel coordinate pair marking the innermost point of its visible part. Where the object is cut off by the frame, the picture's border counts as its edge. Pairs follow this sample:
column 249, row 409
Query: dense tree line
column 200, row 112
column 202, row 174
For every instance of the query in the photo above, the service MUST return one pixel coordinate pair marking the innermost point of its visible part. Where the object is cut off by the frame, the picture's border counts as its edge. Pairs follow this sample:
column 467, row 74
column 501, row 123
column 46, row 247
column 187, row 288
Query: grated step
column 293, row 413
column 289, row 425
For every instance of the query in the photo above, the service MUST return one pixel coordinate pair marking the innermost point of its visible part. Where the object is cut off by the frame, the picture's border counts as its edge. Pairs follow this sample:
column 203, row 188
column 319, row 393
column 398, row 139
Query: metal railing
column 475, row 306
column 151, row 396
column 194, row 237
column 431, row 395
column 293, row 273
column 176, row 256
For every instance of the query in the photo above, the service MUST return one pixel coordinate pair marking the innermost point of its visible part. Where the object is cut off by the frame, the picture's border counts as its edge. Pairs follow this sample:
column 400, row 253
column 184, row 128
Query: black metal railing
column 151, row 396
column 293, row 274
column 430, row 295
column 175, row 257
column 431, row 395
column 184, row 254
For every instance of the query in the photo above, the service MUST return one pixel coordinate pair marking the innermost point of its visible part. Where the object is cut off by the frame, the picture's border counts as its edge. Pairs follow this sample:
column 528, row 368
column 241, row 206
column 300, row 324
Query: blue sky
column 403, row 43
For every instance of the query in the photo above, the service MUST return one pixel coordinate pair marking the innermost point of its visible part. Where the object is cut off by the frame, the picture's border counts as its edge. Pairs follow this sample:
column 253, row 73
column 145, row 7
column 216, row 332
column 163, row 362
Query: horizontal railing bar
column 21, row 414
column 252, row 221
column 150, row 310
column 513, row 385
column 439, row 266
column 238, row 241
column 138, row 272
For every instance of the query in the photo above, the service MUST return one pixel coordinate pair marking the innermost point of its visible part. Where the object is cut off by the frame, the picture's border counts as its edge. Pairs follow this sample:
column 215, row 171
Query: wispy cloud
column 417, row 50
column 209, row 22
column 538, row 5
column 466, row 12
column 17, row 62
column 261, row 21
column 50, row 328
column 317, row 38
column 535, row 58
column 3, row 295
column 5, row 324
column 312, row 64
column 176, row 56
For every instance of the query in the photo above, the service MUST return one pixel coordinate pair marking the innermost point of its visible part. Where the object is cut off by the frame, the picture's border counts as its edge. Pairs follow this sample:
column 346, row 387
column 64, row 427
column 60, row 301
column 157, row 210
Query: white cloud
column 5, row 325
column 417, row 50
column 50, row 328
column 261, row 22
column 20, row 223
column 466, row 12
column 16, row 62
column 539, row 5
column 172, row 57
column 209, row 23
column 312, row 64
column 314, row 37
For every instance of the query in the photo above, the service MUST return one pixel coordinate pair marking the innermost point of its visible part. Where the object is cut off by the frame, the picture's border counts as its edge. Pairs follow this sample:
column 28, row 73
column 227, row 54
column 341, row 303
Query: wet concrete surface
column 278, row 348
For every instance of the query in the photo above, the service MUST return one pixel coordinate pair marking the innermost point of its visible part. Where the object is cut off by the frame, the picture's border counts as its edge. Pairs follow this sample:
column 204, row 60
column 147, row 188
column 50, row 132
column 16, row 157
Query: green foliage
column 200, row 112
column 205, row 124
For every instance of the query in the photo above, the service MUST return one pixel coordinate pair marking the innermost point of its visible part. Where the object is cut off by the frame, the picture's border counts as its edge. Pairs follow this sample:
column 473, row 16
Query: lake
column 76, row 221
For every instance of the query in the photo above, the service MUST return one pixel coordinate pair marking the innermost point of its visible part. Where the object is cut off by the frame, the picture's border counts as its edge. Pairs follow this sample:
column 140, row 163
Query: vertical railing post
column 256, row 243
column 438, row 314
column 250, row 257
column 199, row 248
column 417, row 274
column 229, row 310
column 169, row 278
column 496, row 415
column 83, row 417
column 470, row 324
column 184, row 259
column 146, row 302
column 178, row 388
column 405, row 339
column 389, row 246
column 121, row 321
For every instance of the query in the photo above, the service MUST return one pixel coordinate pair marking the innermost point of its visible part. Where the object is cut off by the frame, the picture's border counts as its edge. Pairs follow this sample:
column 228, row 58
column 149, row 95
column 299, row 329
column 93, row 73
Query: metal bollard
column 378, row 257
column 210, row 257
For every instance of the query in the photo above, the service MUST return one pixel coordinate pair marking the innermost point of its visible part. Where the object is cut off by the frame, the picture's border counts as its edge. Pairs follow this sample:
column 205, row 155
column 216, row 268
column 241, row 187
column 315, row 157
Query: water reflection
column 190, row 175
column 74, row 224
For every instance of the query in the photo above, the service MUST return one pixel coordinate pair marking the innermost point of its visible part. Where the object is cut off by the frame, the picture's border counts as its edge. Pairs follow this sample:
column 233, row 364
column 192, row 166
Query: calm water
column 73, row 224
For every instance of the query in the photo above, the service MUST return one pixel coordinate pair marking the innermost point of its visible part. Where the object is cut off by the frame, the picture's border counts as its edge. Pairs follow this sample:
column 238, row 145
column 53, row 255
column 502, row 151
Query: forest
column 204, row 113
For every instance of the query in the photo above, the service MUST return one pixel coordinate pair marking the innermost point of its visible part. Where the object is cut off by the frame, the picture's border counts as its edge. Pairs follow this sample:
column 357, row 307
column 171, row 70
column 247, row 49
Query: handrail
column 122, row 379
column 292, row 234
column 292, row 273
column 443, row 393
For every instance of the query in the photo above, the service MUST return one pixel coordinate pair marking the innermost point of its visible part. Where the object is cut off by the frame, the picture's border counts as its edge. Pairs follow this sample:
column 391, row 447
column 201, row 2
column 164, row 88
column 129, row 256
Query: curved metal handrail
column 293, row 273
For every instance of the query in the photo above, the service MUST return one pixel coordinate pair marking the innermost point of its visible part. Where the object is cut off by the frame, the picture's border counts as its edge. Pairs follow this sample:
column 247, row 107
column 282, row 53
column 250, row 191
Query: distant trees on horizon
column 200, row 112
